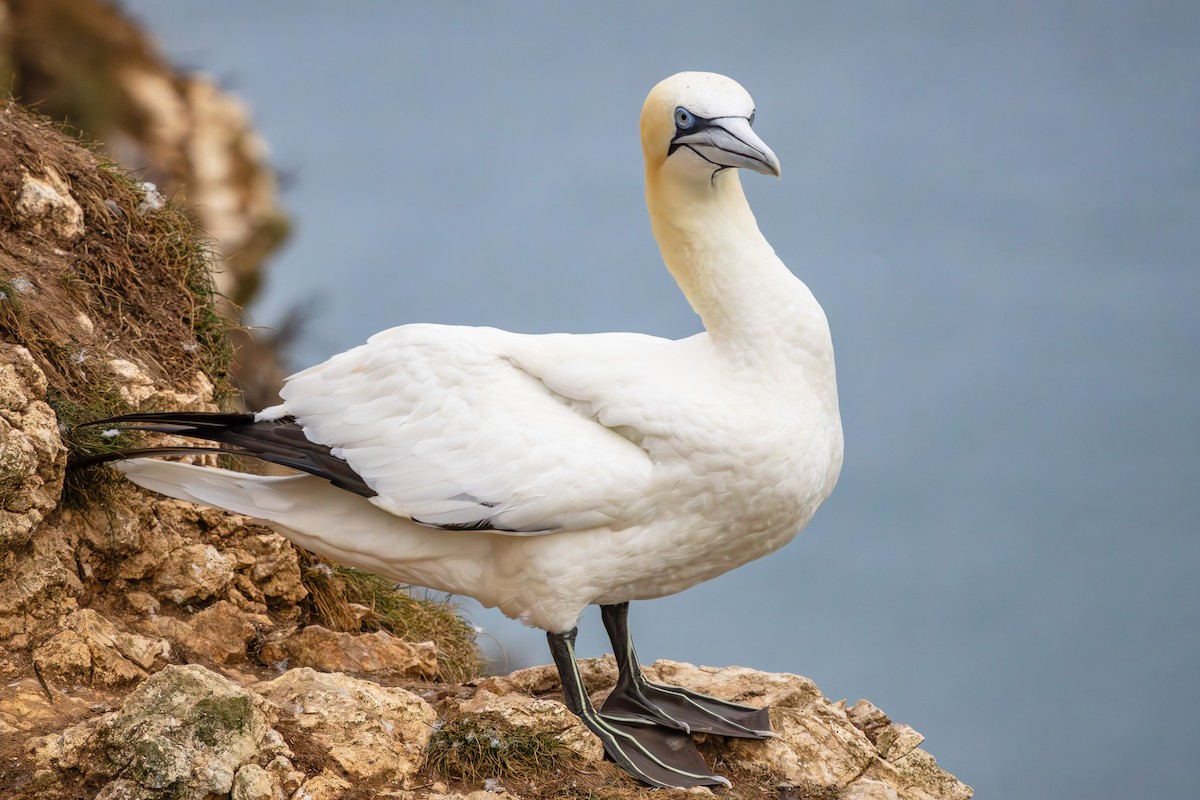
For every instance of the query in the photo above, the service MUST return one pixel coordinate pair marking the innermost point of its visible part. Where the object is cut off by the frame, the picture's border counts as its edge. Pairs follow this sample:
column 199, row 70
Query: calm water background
column 998, row 205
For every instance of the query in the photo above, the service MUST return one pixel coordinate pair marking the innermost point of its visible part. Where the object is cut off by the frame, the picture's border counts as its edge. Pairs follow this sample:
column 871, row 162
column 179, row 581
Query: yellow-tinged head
column 697, row 124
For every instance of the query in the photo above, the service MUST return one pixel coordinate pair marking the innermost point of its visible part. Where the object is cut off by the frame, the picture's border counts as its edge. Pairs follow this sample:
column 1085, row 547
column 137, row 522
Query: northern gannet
column 543, row 474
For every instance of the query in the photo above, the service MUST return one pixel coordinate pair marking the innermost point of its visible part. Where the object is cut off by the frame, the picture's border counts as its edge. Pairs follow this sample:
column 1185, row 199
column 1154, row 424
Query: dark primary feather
column 279, row 441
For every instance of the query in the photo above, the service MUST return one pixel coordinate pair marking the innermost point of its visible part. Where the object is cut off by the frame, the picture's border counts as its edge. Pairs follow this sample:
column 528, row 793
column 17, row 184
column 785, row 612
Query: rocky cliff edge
column 152, row 649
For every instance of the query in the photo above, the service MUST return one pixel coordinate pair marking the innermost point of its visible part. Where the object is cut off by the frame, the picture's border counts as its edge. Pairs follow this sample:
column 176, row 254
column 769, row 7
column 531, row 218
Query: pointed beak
column 731, row 142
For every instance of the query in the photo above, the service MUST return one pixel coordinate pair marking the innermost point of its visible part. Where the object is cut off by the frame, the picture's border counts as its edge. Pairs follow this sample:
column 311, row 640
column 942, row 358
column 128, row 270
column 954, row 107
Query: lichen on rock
column 183, row 733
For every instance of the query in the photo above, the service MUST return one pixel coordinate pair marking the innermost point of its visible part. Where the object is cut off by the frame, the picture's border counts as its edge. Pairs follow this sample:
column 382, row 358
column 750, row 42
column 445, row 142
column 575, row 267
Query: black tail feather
column 279, row 441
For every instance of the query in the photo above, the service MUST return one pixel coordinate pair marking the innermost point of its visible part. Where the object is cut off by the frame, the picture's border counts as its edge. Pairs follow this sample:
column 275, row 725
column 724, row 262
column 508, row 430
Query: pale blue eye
column 684, row 119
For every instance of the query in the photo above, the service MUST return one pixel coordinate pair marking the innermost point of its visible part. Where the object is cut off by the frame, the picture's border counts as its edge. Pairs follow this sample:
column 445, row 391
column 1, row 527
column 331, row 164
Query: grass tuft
column 338, row 595
column 470, row 749
column 135, row 285
column 85, row 487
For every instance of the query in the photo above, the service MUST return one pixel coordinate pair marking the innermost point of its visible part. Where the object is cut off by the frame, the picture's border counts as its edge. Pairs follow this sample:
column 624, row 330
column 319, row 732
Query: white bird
column 542, row 474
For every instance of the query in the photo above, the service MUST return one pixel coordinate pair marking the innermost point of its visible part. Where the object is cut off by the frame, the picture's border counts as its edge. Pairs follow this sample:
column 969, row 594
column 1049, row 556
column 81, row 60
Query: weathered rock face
column 373, row 654
column 369, row 731
column 821, row 749
column 188, row 732
column 89, row 650
column 183, row 733
column 47, row 208
column 37, row 579
column 32, row 456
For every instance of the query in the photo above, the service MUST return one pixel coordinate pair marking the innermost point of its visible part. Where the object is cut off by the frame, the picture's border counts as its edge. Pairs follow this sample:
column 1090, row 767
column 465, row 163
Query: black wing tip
column 278, row 441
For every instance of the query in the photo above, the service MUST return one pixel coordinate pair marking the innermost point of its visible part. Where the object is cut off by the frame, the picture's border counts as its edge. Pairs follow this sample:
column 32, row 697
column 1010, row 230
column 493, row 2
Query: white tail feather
column 326, row 520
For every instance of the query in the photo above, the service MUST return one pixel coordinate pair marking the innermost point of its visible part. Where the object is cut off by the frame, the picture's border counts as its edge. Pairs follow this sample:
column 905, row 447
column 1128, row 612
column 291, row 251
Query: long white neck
column 754, row 309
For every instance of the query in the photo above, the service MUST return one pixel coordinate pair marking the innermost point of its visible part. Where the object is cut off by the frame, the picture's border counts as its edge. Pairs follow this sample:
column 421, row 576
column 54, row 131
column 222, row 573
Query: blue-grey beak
column 731, row 142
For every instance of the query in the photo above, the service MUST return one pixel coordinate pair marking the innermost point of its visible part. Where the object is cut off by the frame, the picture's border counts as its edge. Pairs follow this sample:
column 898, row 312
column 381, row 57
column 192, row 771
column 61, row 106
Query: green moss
column 216, row 717
column 155, row 763
column 471, row 749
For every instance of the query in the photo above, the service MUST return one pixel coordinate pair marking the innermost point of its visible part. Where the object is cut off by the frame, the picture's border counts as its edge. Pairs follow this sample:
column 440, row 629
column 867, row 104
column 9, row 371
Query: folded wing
column 449, row 430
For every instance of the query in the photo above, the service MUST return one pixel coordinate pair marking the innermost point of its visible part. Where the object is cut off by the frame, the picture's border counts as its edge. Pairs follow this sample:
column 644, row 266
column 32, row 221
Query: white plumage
column 543, row 474
column 601, row 468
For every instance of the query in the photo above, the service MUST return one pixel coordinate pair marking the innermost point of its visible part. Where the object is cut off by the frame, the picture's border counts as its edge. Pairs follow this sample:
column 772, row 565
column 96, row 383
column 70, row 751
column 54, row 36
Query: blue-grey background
column 998, row 205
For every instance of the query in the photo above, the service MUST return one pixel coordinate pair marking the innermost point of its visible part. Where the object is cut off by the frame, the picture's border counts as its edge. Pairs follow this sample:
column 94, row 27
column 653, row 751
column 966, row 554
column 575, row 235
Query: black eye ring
column 684, row 118
column 751, row 118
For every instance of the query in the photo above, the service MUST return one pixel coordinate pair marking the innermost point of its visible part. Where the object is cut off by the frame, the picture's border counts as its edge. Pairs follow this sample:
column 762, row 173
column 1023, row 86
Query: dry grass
column 332, row 589
column 136, row 285
column 471, row 750
column 141, row 276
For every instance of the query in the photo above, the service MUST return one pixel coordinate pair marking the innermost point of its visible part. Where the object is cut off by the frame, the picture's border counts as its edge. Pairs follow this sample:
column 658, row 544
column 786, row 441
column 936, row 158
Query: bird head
column 696, row 125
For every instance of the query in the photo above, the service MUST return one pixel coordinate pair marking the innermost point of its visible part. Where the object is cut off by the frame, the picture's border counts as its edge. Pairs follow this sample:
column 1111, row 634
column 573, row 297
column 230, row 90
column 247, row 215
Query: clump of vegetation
column 472, row 750
column 136, row 285
column 337, row 596
column 82, row 488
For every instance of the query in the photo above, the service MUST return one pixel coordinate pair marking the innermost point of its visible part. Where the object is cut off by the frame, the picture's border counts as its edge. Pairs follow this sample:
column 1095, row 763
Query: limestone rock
column 917, row 776
column 817, row 747
column 25, row 706
column 252, row 782
column 375, row 654
column 276, row 567
column 370, row 731
column 40, row 584
column 285, row 775
column 193, row 572
column 325, row 786
column 222, row 631
column 183, row 733
column 741, row 684
column 142, row 603
column 821, row 749
column 219, row 633
column 32, row 456
column 868, row 789
column 892, row 740
column 139, row 389
column 46, row 208
column 90, row 650
column 598, row 674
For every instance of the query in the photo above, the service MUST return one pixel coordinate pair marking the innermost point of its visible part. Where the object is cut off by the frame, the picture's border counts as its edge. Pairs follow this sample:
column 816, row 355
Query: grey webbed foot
column 635, row 699
column 685, row 710
column 653, row 754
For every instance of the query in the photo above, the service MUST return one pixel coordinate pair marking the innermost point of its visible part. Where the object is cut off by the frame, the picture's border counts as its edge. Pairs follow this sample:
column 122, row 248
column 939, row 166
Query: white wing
column 451, row 431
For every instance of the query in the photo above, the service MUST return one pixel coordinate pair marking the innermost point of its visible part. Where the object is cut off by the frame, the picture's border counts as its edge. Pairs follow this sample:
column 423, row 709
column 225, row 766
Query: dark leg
column 652, row 754
column 635, row 699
